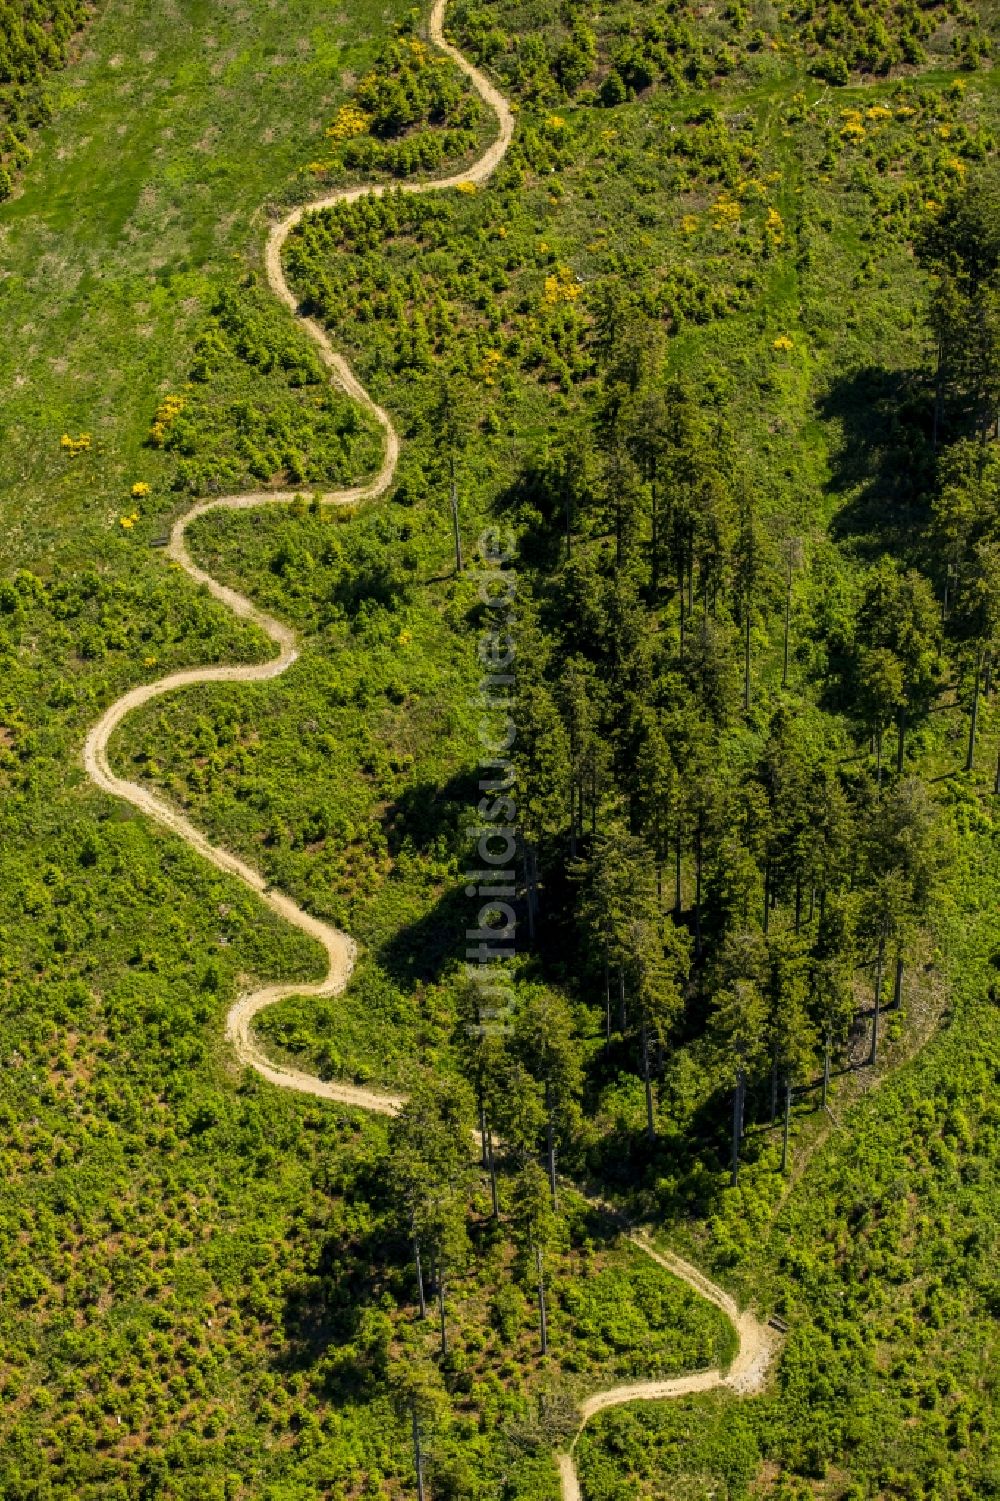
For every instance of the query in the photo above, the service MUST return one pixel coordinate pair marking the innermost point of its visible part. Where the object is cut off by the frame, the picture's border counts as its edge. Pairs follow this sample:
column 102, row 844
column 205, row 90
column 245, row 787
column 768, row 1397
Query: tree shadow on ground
column 335, row 1304
column 434, row 820
column 433, row 817
column 883, row 467
column 421, row 951
column 532, row 500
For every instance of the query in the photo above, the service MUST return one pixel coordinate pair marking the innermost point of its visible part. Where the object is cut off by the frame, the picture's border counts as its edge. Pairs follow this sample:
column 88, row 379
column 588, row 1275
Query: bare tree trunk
column 607, row 993
column 418, row 1457
column 826, row 1069
column 897, row 989
column 572, row 821
column 788, row 1116
column 697, row 887
column 878, row 758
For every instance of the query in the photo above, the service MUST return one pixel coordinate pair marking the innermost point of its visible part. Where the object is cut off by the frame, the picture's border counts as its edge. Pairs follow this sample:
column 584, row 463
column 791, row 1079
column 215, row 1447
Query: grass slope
column 200, row 1287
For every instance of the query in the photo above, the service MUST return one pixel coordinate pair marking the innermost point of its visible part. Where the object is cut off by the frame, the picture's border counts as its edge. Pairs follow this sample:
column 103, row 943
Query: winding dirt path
column 339, row 948
column 746, row 1376
column 757, row 1344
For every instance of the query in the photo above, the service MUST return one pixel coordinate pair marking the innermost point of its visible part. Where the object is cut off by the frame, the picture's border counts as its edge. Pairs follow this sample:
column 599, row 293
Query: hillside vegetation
column 718, row 348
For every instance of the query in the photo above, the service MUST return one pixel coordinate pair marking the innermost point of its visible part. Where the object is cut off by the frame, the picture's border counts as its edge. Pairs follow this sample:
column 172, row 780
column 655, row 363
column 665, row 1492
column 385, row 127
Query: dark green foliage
column 35, row 40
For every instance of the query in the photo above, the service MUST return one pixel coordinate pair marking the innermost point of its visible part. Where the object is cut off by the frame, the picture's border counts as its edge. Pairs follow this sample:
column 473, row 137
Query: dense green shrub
column 35, row 40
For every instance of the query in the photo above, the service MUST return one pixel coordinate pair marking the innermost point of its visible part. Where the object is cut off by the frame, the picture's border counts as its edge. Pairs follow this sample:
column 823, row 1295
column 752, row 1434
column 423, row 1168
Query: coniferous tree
column 533, row 1225
column 428, row 1168
column 545, row 1040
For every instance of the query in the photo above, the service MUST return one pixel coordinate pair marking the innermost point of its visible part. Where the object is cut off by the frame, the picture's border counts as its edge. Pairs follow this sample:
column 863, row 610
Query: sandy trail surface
column 340, row 950
column 756, row 1343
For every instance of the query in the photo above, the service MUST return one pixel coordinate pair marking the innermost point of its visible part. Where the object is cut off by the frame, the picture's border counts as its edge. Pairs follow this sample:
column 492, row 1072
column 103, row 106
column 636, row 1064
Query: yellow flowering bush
column 349, row 121
column 73, row 446
column 562, row 286
column 167, row 413
column 489, row 369
column 726, row 213
column 140, row 490
column 783, row 344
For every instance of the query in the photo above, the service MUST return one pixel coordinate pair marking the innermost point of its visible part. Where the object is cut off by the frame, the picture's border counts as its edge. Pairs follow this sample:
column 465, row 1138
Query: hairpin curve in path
column 339, row 948
column 756, row 1346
